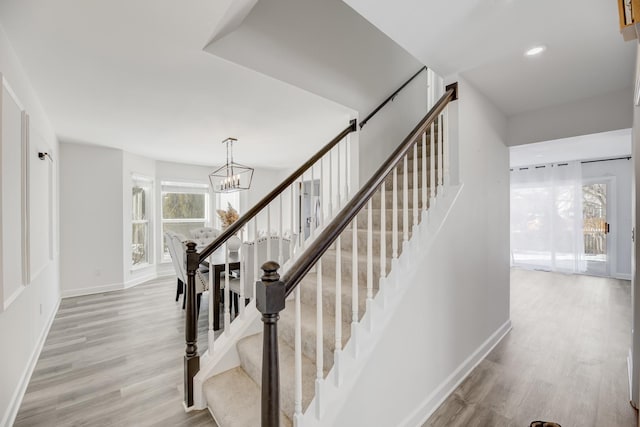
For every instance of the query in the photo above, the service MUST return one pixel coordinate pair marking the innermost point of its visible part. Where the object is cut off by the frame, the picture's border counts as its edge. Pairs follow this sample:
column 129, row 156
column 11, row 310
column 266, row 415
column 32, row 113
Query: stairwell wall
column 456, row 306
column 387, row 129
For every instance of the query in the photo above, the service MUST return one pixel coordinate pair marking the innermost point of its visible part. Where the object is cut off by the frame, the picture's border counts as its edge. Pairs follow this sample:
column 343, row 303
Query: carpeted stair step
column 250, row 351
column 234, row 398
column 346, row 241
column 286, row 329
column 346, row 258
column 308, row 287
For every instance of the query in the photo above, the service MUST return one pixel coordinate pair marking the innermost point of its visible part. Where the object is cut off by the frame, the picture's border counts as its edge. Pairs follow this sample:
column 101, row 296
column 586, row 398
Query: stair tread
column 286, row 329
column 250, row 350
column 234, row 399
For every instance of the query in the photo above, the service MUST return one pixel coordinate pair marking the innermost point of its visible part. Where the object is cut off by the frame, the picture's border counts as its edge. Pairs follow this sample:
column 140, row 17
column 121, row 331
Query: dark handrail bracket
column 453, row 86
column 390, row 98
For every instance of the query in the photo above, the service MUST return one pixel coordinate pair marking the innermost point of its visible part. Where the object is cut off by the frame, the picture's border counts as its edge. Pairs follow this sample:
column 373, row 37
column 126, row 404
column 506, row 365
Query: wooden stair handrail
column 330, row 233
column 244, row 219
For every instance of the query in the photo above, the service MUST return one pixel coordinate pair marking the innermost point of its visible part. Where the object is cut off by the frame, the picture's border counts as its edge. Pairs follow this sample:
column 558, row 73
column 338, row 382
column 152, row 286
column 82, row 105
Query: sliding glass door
column 596, row 207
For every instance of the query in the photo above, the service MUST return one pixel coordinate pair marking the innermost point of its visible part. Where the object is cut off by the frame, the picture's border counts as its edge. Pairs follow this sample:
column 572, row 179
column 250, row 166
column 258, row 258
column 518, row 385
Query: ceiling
column 322, row 46
column 140, row 75
column 484, row 41
column 134, row 76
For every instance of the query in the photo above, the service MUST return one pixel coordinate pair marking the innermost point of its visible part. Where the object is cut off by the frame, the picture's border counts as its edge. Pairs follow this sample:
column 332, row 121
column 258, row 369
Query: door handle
column 606, row 227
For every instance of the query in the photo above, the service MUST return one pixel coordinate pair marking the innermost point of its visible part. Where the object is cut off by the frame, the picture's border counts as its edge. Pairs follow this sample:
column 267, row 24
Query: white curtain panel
column 546, row 217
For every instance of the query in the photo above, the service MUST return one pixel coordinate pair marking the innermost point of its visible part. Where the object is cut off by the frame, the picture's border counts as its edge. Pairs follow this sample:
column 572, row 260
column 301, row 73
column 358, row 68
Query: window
column 141, row 191
column 185, row 206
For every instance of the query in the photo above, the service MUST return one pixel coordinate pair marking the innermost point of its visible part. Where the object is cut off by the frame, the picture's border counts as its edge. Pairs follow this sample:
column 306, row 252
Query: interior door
column 598, row 229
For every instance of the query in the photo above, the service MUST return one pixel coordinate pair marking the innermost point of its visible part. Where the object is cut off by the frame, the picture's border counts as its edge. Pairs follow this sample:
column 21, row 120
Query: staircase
column 325, row 297
column 234, row 396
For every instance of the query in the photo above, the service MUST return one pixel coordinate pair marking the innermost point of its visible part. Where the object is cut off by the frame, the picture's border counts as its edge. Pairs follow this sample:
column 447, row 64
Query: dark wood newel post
column 270, row 297
column 191, row 357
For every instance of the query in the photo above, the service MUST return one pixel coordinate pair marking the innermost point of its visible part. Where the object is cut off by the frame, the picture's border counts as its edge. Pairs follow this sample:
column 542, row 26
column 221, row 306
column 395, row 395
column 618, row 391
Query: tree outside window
column 184, row 207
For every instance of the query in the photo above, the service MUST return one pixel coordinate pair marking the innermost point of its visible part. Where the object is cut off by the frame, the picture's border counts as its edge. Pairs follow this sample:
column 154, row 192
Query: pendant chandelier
column 232, row 176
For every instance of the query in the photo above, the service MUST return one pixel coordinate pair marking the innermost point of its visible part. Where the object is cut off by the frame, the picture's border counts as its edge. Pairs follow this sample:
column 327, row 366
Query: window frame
column 182, row 188
column 148, row 185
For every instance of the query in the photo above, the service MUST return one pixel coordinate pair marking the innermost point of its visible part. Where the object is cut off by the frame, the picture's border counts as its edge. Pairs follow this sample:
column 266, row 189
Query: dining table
column 216, row 263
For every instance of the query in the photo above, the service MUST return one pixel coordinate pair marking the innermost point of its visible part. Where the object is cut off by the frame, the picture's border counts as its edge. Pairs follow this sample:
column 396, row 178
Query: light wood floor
column 564, row 360
column 114, row 359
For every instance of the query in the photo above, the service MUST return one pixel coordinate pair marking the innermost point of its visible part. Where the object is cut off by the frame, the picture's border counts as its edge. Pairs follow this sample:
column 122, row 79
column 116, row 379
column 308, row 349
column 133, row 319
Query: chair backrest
column 248, row 252
column 177, row 250
column 204, row 235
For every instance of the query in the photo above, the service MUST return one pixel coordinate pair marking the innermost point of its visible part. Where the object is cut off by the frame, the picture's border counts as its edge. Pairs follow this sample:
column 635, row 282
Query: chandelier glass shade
column 232, row 176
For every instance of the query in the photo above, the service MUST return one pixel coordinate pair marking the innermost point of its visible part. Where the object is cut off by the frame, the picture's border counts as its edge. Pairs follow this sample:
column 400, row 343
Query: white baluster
column 312, row 206
column 297, row 414
column 338, row 178
column 330, row 207
column 354, row 283
column 383, row 232
column 440, row 151
column 432, row 169
column 269, row 233
column 256, row 274
column 241, row 297
column 347, row 160
column 338, row 333
column 321, row 193
column 424, row 171
column 415, row 184
column 280, row 215
column 394, row 225
column 369, row 256
column 227, row 295
column 319, row 337
column 211, row 332
column 405, row 201
column 447, row 149
column 292, row 220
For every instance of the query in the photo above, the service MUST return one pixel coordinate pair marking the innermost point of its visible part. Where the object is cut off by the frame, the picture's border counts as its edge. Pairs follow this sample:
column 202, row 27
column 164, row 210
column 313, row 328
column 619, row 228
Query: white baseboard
column 435, row 399
column 16, row 400
column 67, row 293
column 622, row 276
column 141, row 279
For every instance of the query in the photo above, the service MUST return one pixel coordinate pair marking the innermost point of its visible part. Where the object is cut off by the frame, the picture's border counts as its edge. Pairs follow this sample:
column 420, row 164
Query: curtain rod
column 565, row 164
column 607, row 160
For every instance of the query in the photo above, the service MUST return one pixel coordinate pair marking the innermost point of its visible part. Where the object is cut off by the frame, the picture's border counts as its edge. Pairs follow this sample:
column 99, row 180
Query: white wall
column 603, row 113
column 24, row 324
column 91, row 220
column 387, row 129
column 458, row 299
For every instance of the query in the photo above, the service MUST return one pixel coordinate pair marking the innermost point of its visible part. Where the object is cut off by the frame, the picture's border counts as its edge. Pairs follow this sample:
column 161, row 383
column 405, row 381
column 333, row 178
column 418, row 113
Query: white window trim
column 137, row 178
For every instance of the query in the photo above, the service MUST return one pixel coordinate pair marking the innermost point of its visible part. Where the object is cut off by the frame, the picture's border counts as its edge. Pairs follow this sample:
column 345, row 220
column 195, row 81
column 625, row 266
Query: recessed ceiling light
column 536, row 50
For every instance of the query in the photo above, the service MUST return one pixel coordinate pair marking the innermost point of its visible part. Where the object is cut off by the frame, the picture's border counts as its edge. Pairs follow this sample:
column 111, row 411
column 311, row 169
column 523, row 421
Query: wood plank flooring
column 114, row 359
column 564, row 360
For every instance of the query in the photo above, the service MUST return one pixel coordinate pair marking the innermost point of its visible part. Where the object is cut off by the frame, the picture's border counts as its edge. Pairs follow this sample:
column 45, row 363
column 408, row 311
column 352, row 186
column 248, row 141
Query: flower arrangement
column 228, row 216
